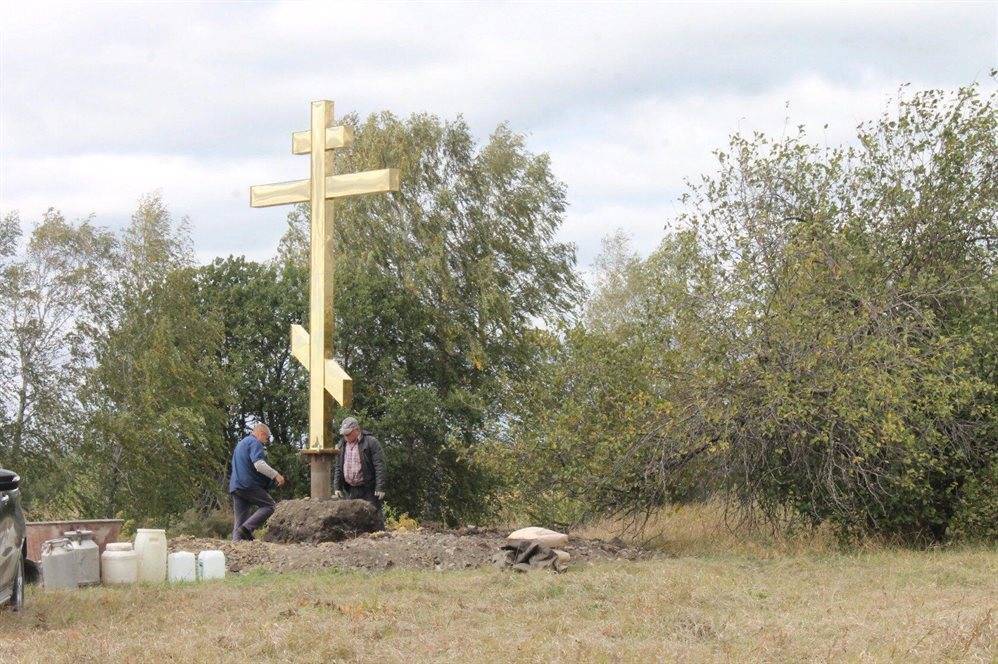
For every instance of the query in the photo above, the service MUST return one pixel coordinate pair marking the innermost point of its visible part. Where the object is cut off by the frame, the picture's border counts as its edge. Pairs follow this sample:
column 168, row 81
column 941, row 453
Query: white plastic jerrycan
column 181, row 567
column 211, row 565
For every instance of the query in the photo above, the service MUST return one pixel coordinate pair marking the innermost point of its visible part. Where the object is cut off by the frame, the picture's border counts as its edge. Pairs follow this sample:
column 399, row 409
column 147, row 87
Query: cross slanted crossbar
column 314, row 348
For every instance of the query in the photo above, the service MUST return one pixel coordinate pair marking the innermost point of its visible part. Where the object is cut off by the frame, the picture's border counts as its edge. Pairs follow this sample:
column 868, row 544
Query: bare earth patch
column 421, row 549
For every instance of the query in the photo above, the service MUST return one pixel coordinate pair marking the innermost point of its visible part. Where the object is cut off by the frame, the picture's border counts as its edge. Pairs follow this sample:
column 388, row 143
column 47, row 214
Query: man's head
column 350, row 429
column 261, row 432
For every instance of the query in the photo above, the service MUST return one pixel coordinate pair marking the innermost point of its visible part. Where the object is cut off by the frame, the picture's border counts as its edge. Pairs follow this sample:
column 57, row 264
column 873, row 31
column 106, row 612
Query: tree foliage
column 154, row 444
column 437, row 287
column 51, row 304
column 822, row 328
column 814, row 339
column 255, row 304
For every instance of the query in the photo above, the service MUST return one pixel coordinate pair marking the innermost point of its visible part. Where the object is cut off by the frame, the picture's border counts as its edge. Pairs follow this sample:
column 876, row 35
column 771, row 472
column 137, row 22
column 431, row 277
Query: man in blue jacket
column 248, row 483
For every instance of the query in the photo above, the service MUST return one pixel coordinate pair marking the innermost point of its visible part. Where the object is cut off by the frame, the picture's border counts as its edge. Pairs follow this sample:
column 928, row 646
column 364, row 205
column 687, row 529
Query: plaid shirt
column 353, row 471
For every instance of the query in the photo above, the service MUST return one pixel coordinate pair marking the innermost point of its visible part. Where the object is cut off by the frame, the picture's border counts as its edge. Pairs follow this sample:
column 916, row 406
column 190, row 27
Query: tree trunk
column 17, row 436
column 112, row 486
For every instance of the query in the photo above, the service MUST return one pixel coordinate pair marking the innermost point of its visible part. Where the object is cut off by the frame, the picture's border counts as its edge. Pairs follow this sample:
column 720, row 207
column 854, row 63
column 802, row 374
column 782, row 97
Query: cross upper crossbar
column 336, row 137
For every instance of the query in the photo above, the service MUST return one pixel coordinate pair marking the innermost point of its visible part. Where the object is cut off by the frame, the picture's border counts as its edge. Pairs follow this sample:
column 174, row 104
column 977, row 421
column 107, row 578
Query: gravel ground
column 418, row 549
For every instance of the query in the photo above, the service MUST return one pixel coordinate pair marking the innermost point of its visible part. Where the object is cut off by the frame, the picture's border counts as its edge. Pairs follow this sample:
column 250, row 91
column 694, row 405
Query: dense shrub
column 815, row 342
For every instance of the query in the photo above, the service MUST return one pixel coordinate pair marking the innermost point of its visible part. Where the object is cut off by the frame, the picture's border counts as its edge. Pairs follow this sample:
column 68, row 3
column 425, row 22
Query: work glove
column 380, row 495
column 338, row 494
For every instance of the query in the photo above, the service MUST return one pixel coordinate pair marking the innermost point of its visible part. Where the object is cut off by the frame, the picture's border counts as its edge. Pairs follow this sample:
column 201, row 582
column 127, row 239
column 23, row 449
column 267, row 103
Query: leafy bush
column 570, row 428
column 976, row 514
column 396, row 521
column 216, row 524
column 816, row 342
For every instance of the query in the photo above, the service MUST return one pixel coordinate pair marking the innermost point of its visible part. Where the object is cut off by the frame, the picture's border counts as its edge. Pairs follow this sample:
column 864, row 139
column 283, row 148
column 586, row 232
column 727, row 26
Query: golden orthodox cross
column 314, row 348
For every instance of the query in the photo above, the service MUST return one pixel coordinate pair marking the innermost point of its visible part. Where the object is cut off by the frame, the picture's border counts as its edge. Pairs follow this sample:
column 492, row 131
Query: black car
column 13, row 541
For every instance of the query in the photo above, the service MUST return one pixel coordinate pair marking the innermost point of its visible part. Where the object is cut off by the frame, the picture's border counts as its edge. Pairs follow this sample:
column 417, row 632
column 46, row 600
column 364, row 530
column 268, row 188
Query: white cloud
column 100, row 103
column 627, row 165
column 643, row 223
column 213, row 193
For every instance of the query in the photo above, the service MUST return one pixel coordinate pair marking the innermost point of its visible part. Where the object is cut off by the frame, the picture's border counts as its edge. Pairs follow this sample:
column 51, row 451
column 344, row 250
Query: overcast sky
column 102, row 103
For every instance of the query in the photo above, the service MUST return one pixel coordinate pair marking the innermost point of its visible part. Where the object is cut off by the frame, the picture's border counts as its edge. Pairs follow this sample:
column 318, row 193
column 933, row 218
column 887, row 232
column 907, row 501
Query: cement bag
column 548, row 538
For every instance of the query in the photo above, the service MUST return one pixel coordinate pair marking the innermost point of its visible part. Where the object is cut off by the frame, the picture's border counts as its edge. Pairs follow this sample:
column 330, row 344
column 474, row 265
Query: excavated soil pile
column 316, row 521
column 424, row 549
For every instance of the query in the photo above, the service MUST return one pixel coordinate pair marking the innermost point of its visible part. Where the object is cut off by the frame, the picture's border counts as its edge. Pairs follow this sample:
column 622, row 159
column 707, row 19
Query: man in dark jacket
column 360, row 466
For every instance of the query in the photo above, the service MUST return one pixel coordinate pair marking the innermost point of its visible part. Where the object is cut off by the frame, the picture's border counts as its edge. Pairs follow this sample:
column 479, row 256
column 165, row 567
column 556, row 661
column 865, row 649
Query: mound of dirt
column 315, row 521
column 423, row 549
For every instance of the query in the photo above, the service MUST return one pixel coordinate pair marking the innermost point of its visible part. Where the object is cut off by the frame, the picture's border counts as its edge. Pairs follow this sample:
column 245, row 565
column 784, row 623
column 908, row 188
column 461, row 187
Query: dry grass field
column 887, row 605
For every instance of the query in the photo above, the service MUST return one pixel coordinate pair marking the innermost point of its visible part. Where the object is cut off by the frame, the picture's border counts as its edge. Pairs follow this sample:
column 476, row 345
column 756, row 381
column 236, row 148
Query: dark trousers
column 365, row 492
column 243, row 502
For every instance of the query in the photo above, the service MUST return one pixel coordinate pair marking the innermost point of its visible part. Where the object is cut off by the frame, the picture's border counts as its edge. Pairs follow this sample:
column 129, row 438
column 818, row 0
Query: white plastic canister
column 181, row 567
column 211, row 565
column 150, row 545
column 58, row 564
column 119, row 563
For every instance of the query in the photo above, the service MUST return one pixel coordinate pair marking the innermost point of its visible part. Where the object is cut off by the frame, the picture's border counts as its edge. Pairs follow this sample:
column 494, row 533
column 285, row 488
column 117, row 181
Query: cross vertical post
column 321, row 320
column 328, row 382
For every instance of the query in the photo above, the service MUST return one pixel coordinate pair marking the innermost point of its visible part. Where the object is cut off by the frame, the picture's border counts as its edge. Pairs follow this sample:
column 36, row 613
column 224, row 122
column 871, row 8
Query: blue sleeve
column 256, row 451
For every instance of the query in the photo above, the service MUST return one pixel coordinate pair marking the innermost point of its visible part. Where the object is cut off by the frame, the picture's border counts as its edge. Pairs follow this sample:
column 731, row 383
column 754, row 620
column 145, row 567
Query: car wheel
column 17, row 596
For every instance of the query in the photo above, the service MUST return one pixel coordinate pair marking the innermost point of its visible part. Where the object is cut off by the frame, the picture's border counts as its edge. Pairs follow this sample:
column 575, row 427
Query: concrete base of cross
column 321, row 471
